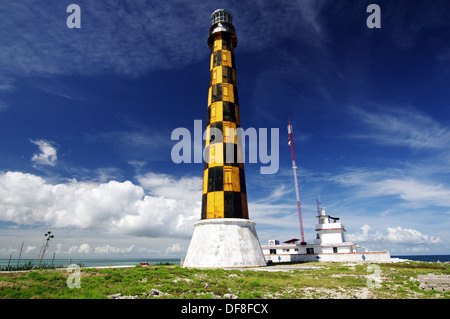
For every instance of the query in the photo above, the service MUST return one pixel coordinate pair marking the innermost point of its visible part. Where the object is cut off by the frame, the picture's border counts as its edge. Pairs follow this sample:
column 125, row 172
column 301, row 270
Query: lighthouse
column 224, row 236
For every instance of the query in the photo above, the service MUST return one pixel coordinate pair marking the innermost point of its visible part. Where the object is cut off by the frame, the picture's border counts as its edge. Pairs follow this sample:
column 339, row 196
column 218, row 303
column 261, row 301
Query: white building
column 329, row 245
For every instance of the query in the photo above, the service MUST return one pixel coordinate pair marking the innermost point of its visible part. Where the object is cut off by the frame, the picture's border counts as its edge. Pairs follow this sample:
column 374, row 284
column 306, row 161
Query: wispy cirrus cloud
column 132, row 38
column 122, row 37
column 401, row 127
column 419, row 179
column 136, row 142
column 399, row 183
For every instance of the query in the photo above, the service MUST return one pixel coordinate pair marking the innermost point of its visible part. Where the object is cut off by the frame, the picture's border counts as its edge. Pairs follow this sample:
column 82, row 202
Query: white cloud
column 8, row 251
column 107, row 249
column 399, row 235
column 173, row 249
column 411, row 189
column 402, row 127
column 30, row 249
column 364, row 236
column 114, row 207
column 395, row 235
column 48, row 154
column 169, row 187
column 277, row 193
column 310, row 13
column 82, row 249
column 136, row 142
column 395, row 182
column 109, row 29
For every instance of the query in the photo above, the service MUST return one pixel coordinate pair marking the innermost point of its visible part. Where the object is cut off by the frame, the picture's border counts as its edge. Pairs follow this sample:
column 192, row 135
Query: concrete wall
column 282, row 249
column 224, row 242
column 374, row 257
column 330, row 237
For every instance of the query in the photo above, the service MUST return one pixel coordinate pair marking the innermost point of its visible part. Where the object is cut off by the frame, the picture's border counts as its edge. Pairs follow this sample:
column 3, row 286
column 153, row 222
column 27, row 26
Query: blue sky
column 86, row 117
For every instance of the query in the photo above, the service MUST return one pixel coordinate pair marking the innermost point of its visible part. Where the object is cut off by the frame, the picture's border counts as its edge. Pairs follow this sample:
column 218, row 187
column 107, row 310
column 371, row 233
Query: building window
column 310, row 250
column 273, row 251
column 335, row 250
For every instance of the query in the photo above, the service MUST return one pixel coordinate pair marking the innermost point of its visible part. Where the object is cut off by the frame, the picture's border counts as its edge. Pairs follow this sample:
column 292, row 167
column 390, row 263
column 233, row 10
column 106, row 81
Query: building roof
column 291, row 241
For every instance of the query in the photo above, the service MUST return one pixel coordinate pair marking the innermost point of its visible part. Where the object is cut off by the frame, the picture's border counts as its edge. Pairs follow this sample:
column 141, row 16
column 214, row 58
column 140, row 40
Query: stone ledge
column 434, row 282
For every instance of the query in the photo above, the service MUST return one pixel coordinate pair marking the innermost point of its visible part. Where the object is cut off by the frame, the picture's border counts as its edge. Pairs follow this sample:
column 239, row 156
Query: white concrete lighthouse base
column 223, row 243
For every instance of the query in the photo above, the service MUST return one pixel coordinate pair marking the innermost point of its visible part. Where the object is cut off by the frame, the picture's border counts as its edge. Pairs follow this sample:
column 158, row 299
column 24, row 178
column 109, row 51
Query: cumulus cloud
column 8, row 251
column 395, row 235
column 114, row 207
column 107, row 249
column 86, row 249
column 169, row 187
column 82, row 249
column 48, row 154
column 399, row 235
column 30, row 249
column 173, row 249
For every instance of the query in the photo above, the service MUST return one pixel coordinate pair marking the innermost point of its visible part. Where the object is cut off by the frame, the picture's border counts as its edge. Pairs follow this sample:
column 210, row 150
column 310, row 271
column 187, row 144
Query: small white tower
column 329, row 229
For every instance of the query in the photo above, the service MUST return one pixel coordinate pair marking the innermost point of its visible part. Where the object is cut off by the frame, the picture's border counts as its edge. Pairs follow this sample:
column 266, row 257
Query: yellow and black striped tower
column 224, row 193
column 224, row 237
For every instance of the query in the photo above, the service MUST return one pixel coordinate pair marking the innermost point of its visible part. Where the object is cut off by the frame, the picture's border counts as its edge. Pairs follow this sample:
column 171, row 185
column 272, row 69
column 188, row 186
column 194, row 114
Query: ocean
column 427, row 258
column 176, row 261
column 95, row 262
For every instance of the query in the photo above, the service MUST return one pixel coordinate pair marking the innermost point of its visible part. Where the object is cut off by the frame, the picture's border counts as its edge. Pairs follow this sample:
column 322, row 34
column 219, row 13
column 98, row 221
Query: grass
column 29, row 265
column 309, row 280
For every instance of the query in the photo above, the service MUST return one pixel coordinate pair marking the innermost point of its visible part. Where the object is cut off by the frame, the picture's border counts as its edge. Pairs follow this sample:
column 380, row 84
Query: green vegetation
column 308, row 280
column 29, row 265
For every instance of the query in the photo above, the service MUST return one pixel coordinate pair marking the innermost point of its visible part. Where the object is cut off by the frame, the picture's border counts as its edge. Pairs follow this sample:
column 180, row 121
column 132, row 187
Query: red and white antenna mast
column 294, row 168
